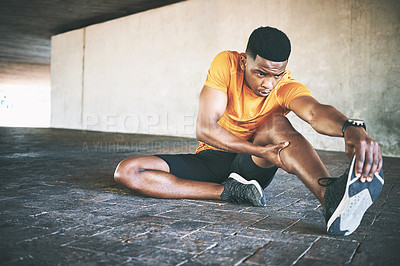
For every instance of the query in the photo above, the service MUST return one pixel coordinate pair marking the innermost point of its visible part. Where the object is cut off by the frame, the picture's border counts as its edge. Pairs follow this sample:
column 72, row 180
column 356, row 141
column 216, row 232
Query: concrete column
column 67, row 55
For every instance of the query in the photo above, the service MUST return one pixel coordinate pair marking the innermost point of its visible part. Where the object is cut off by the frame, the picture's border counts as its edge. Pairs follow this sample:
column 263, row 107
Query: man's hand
column 271, row 153
column 368, row 153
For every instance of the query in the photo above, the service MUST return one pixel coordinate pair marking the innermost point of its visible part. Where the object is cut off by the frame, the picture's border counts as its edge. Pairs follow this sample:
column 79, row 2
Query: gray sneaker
column 239, row 190
column 347, row 199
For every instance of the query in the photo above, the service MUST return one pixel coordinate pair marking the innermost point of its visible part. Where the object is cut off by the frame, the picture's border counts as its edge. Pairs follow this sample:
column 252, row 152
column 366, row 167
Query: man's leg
column 150, row 176
column 299, row 157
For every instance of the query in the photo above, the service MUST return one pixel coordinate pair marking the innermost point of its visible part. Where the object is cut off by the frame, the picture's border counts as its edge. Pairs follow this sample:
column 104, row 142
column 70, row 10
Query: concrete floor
column 60, row 206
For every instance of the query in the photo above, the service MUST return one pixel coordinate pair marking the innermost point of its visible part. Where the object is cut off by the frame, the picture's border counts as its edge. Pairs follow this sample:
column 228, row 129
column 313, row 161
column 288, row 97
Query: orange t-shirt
column 245, row 112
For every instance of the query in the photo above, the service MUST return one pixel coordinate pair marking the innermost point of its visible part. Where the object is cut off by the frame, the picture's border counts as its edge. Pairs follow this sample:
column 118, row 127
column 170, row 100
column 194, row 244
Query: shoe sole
column 357, row 198
column 240, row 179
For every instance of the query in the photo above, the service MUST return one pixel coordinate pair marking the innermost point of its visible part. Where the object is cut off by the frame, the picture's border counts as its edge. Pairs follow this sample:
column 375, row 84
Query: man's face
column 262, row 75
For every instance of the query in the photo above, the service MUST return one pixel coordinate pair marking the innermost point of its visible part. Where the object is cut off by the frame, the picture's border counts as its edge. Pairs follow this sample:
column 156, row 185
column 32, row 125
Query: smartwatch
column 353, row 123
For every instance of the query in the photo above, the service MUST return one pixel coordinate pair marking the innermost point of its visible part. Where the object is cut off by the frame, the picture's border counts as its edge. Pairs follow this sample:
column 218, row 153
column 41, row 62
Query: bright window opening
column 24, row 105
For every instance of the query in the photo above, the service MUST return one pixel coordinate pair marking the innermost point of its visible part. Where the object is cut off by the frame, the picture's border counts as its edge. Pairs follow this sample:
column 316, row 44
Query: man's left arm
column 327, row 120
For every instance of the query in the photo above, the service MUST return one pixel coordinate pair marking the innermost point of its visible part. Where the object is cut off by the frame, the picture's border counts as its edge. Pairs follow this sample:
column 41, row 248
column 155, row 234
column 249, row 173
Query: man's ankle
column 322, row 196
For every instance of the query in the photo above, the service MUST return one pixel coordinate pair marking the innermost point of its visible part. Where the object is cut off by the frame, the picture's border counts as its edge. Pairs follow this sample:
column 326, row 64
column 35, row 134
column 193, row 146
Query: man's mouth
column 265, row 93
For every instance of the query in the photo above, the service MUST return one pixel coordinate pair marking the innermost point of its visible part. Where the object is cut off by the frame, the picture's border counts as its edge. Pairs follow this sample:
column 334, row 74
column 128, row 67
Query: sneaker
column 239, row 190
column 347, row 199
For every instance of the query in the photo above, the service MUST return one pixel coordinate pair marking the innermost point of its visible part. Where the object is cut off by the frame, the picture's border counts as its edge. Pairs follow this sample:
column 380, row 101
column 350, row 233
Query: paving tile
column 313, row 223
column 125, row 232
column 317, row 262
column 151, row 245
column 279, row 253
column 158, row 256
column 262, row 234
column 234, row 222
column 387, row 247
column 333, row 250
column 378, row 251
column 22, row 234
column 32, row 254
column 305, row 203
column 228, row 249
column 279, row 222
column 185, row 227
column 195, row 214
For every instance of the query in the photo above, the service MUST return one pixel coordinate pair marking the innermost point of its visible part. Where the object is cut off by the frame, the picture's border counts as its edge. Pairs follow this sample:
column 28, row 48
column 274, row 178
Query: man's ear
column 243, row 61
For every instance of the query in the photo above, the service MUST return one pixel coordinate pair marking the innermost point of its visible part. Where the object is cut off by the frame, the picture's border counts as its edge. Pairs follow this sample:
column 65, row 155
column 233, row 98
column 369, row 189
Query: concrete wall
column 143, row 73
column 67, row 55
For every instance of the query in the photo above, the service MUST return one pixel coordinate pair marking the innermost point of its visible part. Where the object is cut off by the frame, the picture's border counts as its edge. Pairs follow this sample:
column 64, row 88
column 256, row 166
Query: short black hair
column 269, row 43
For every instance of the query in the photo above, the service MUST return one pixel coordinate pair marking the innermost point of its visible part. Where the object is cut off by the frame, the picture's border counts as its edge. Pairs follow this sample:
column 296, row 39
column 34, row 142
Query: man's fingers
column 368, row 157
column 283, row 145
column 380, row 165
column 368, row 161
column 276, row 158
column 375, row 163
column 360, row 157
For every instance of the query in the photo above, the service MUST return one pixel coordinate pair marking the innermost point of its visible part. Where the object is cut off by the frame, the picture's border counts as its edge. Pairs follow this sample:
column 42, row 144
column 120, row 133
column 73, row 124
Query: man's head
column 267, row 52
column 269, row 43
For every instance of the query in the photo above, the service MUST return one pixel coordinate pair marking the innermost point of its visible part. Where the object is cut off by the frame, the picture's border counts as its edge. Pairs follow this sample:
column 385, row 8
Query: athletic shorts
column 216, row 166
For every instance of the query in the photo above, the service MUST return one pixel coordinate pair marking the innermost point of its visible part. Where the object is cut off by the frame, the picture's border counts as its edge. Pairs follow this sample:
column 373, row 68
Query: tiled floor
column 60, row 205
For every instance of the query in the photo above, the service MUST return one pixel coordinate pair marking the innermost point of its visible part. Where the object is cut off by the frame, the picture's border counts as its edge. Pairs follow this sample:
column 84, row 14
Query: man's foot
column 347, row 199
column 239, row 190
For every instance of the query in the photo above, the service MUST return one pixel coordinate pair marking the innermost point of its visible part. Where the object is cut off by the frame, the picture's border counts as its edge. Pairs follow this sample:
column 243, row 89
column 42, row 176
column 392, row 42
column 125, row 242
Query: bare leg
column 149, row 175
column 299, row 157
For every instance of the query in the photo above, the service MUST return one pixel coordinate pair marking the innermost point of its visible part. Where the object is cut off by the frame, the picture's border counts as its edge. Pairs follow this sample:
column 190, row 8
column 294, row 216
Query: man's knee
column 278, row 128
column 127, row 170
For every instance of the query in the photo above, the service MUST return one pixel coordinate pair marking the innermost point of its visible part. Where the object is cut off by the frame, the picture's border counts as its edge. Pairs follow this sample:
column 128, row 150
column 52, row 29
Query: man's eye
column 261, row 74
column 278, row 76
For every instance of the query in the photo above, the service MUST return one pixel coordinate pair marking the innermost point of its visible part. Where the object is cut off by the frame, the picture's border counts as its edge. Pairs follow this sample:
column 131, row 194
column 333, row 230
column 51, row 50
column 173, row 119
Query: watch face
column 357, row 122
column 354, row 123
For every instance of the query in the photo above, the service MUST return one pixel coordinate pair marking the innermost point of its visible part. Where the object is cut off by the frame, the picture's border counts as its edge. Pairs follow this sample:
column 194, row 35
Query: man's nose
column 268, row 83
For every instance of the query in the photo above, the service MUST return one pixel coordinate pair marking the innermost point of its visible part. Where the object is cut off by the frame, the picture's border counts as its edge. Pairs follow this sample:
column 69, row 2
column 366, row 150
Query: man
column 244, row 137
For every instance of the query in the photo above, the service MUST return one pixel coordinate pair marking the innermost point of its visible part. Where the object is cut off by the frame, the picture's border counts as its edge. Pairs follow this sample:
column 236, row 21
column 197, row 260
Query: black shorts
column 215, row 166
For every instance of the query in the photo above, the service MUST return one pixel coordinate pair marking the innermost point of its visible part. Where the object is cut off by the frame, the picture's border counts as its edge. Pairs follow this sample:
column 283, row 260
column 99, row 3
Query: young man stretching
column 244, row 137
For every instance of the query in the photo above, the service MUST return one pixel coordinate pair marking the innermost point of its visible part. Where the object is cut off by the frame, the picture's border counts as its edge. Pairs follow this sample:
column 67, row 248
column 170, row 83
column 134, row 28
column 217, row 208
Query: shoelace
column 326, row 181
column 238, row 192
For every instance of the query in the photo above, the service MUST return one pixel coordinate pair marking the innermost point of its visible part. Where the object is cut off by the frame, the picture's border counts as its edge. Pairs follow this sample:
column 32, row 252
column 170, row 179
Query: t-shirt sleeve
column 291, row 91
column 218, row 76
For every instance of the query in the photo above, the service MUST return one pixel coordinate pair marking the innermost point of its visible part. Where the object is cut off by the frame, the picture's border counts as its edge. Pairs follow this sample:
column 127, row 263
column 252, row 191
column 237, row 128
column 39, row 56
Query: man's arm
column 327, row 120
column 212, row 106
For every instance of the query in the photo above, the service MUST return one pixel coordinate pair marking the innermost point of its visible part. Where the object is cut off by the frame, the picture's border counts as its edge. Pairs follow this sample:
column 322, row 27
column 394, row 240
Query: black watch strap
column 353, row 123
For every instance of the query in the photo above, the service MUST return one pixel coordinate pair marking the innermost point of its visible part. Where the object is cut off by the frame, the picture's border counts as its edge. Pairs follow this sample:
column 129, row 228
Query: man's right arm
column 212, row 106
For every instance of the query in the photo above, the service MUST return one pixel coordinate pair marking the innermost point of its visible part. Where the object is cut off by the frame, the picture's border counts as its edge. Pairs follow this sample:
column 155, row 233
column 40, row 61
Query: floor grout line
column 305, row 251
